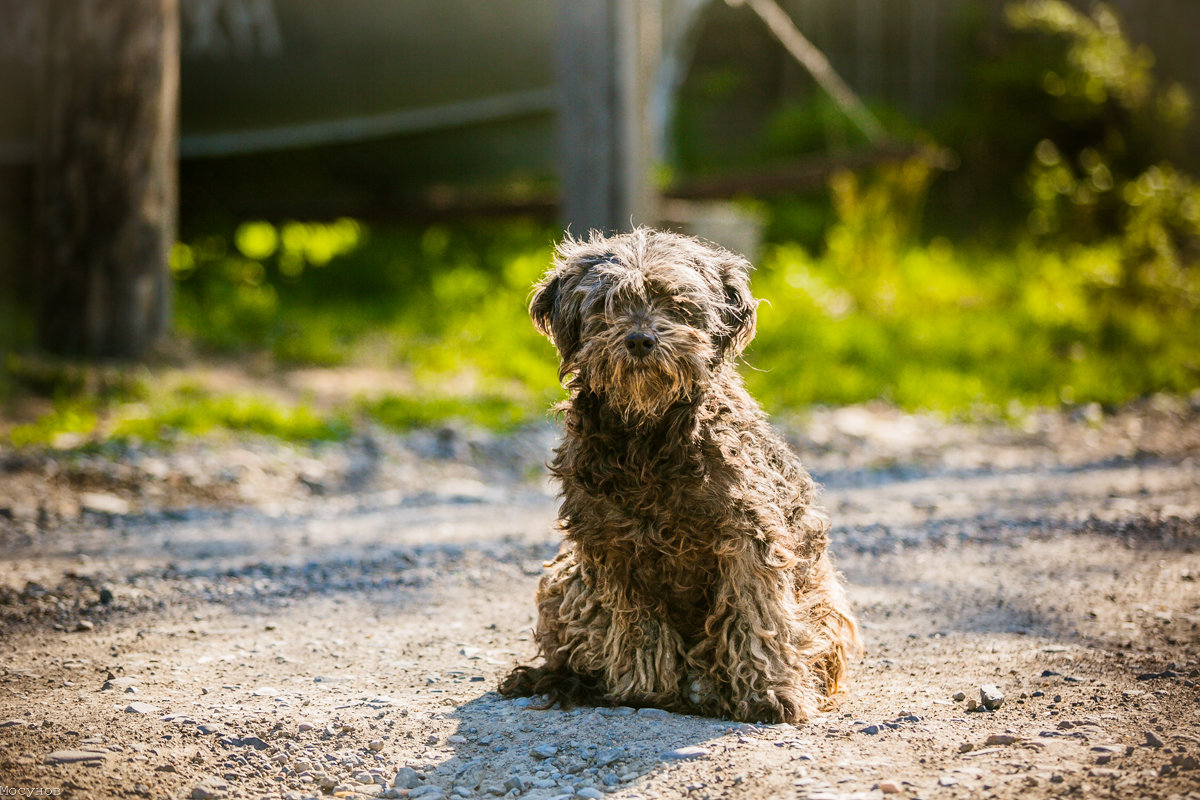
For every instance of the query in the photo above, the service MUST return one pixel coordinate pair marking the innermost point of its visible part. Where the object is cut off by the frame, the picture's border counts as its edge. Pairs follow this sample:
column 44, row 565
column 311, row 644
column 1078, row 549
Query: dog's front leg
column 599, row 643
column 752, row 659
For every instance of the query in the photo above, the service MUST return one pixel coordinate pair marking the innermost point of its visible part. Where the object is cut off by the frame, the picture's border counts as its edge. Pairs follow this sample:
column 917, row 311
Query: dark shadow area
column 248, row 560
column 506, row 745
column 900, row 473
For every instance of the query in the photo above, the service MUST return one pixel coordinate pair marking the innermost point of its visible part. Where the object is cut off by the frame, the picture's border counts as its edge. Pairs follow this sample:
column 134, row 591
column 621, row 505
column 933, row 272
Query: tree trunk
column 105, row 177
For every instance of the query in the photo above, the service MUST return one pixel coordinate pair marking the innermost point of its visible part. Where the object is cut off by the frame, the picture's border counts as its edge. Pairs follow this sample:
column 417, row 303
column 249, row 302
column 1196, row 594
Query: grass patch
column 405, row 412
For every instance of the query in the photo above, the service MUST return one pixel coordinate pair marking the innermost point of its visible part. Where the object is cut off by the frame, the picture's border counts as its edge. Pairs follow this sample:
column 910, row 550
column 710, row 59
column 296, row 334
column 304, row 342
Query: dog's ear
column 553, row 314
column 740, row 312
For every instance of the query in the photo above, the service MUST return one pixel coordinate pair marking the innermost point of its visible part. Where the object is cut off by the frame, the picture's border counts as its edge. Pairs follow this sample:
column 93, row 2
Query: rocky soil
column 247, row 619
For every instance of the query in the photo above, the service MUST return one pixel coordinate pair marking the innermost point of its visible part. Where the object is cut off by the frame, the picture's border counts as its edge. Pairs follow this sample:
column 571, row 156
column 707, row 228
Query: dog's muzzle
column 640, row 343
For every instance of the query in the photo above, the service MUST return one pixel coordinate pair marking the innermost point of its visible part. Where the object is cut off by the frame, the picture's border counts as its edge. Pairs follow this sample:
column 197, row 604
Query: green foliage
column 880, row 315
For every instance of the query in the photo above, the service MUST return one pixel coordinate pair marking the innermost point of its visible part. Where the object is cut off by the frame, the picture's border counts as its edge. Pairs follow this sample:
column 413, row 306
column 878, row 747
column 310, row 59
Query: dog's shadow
column 500, row 745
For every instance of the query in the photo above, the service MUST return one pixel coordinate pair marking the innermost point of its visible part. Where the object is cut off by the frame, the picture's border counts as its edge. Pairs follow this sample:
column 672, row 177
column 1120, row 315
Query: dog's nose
column 640, row 343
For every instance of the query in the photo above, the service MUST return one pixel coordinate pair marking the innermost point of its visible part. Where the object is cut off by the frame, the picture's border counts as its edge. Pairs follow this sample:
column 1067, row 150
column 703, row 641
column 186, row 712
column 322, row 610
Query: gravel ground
column 247, row 619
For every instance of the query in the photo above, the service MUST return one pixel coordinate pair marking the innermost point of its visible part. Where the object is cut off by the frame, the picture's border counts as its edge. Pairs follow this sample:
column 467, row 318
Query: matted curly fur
column 694, row 574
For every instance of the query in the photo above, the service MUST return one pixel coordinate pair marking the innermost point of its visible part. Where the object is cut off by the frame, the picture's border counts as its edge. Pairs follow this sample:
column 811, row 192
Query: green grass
column 954, row 330
column 875, row 314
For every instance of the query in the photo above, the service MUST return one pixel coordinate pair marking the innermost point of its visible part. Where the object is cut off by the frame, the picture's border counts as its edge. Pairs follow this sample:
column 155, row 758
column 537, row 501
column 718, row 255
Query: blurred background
column 293, row 218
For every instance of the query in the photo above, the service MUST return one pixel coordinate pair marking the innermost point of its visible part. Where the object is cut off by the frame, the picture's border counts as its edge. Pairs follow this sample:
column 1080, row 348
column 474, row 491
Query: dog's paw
column 784, row 705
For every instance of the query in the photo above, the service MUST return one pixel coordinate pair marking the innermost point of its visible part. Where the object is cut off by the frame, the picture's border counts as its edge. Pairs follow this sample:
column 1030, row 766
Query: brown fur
column 694, row 574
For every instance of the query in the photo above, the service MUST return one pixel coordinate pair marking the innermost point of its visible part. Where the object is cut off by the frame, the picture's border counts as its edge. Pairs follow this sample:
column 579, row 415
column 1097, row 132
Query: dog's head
column 643, row 319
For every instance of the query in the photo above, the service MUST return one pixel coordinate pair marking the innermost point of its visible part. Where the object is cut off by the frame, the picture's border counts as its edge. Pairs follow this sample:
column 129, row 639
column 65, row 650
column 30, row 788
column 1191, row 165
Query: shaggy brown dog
column 693, row 575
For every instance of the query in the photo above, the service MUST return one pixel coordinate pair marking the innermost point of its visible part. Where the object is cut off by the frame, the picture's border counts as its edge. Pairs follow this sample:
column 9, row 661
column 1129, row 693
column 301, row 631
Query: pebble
column 103, row 503
column 85, row 625
column 608, row 755
column 960, row 696
column 543, row 751
column 1002, row 739
column 1152, row 740
column 376, row 745
column 889, row 787
column 684, row 753
column 75, row 756
column 870, row 730
column 618, row 711
column 265, row 691
column 209, row 790
column 991, row 697
column 590, row 792
column 429, row 790
column 141, row 708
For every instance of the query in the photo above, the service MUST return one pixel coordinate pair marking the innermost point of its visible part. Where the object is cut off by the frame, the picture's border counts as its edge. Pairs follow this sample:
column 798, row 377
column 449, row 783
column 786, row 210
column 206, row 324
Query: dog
column 693, row 575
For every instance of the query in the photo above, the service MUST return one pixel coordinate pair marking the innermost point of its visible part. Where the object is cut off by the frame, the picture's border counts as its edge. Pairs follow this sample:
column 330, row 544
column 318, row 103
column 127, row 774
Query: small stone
column 966, row 747
column 1152, row 739
column 406, row 778
column 306, row 726
column 889, row 787
column 85, row 625
column 972, row 704
column 1002, row 739
column 209, row 790
column 517, row 783
column 74, row 756
column 590, row 792
column 428, row 790
column 265, row 691
column 1104, row 772
column 618, row 711
column 991, row 697
column 102, row 503
column 456, row 738
column 543, row 751
column 375, row 745
column 1056, row 778
column 253, row 741
column 141, row 708
column 947, row 780
column 684, row 753
column 870, row 730
column 608, row 755
column 960, row 696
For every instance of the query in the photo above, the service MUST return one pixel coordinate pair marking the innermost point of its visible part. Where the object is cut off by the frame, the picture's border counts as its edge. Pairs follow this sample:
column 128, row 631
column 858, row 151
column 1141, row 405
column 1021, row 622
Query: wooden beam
column 606, row 53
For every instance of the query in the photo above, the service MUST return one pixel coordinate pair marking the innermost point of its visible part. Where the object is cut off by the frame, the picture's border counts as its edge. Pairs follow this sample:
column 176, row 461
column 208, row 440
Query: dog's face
column 642, row 319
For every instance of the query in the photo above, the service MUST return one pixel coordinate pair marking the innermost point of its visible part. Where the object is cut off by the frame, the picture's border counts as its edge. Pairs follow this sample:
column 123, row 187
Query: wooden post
column 607, row 55
column 105, row 175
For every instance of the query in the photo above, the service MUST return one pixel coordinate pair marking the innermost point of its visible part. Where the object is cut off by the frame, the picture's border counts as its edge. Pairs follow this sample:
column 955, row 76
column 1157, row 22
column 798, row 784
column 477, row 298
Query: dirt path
column 337, row 635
